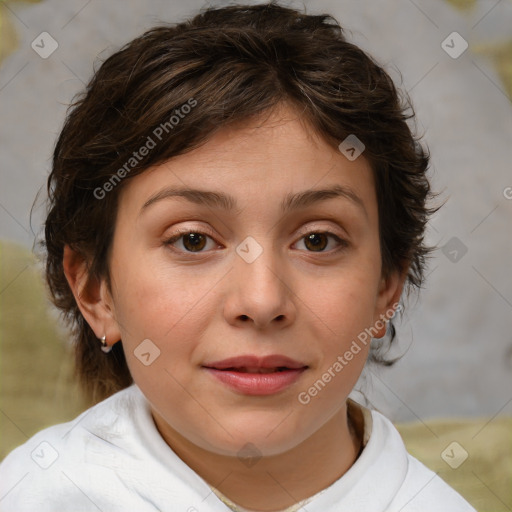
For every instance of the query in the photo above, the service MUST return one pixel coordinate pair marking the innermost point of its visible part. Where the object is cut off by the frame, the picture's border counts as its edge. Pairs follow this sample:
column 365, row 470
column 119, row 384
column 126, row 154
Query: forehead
column 260, row 160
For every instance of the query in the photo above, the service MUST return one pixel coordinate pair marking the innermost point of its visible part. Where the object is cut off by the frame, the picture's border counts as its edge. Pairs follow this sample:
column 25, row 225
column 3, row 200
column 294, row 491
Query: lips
column 253, row 375
column 255, row 364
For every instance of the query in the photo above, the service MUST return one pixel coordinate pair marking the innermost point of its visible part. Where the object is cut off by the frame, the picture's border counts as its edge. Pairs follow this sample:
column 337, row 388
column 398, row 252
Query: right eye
column 190, row 240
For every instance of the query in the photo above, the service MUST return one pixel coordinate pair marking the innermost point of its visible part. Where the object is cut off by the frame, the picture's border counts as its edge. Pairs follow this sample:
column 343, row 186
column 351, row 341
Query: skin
column 198, row 307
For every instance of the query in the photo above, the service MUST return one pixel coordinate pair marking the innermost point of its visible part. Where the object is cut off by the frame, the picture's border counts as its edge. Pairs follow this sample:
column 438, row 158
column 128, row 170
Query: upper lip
column 253, row 361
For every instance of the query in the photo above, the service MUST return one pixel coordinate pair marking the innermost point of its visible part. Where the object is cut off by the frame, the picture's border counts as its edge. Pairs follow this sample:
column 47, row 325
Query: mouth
column 253, row 375
column 256, row 364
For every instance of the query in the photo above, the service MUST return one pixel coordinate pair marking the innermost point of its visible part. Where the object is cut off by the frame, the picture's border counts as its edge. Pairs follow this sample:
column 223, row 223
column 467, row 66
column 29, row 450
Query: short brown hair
column 235, row 62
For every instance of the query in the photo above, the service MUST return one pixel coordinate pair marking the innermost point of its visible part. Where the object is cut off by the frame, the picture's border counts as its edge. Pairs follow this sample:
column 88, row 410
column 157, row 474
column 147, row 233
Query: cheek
column 344, row 301
column 167, row 308
column 344, row 310
column 157, row 301
column 342, row 307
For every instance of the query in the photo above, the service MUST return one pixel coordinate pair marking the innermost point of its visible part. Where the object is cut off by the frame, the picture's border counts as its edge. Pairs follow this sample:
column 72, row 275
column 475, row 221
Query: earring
column 104, row 345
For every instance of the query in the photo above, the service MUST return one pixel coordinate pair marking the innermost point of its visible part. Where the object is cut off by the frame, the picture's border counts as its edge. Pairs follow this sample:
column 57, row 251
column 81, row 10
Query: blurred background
column 454, row 58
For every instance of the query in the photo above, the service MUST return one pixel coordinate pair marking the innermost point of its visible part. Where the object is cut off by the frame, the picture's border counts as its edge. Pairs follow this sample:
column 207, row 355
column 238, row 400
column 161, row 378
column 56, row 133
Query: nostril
column 244, row 317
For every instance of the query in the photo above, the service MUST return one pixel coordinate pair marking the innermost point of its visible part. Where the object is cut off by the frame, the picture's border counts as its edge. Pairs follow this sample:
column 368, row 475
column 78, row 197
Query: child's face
column 213, row 304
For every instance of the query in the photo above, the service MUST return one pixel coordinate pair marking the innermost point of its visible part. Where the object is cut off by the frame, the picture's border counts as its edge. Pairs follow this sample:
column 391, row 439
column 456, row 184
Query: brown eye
column 194, row 242
column 322, row 242
column 316, row 241
column 190, row 241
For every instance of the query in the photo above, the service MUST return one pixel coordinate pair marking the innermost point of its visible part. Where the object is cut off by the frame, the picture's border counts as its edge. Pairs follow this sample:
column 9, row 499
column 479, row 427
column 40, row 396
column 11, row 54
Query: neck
column 275, row 482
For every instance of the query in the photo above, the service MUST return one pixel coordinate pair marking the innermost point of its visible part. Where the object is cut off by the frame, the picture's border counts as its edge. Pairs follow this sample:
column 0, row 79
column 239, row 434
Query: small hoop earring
column 104, row 347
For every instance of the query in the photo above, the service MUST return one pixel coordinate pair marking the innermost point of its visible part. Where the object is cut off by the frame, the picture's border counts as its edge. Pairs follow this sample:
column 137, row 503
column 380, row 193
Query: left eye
column 318, row 241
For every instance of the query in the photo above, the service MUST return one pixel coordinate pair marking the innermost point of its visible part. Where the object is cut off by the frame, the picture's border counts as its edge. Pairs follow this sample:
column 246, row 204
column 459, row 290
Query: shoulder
column 421, row 489
column 53, row 462
column 105, row 420
column 424, row 489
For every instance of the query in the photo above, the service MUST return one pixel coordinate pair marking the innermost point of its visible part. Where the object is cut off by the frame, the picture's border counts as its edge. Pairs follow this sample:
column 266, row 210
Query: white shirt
column 112, row 458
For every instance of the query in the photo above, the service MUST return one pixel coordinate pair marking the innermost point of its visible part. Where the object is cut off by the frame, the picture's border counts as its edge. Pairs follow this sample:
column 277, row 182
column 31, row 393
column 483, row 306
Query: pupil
column 317, row 240
column 194, row 241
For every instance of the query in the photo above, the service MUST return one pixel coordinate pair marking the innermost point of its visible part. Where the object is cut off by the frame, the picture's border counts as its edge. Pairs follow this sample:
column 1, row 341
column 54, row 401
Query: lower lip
column 257, row 383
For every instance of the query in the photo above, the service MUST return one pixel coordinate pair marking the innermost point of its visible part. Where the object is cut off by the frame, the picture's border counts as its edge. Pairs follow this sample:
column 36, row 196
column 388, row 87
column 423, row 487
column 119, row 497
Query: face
column 251, row 261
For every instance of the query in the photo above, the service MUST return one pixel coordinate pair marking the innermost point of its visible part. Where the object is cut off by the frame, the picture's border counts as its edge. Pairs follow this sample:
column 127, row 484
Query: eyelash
column 343, row 244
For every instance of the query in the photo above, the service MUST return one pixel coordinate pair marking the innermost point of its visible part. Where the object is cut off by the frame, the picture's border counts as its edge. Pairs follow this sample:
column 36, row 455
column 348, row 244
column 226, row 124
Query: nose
column 260, row 293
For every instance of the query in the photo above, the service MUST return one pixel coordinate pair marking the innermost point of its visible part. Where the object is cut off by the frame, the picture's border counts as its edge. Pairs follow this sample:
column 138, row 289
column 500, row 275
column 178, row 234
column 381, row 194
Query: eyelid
column 318, row 229
column 187, row 230
column 205, row 231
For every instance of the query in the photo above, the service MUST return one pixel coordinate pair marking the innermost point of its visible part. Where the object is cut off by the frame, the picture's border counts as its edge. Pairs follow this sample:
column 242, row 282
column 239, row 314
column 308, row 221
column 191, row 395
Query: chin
column 255, row 436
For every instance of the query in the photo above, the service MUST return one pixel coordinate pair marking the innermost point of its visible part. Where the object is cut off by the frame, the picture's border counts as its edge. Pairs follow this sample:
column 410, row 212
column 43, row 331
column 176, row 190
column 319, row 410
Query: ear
column 92, row 296
column 390, row 291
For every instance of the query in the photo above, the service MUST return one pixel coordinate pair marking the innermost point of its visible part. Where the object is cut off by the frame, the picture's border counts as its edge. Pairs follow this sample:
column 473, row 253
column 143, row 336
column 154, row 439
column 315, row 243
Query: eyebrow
column 227, row 202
